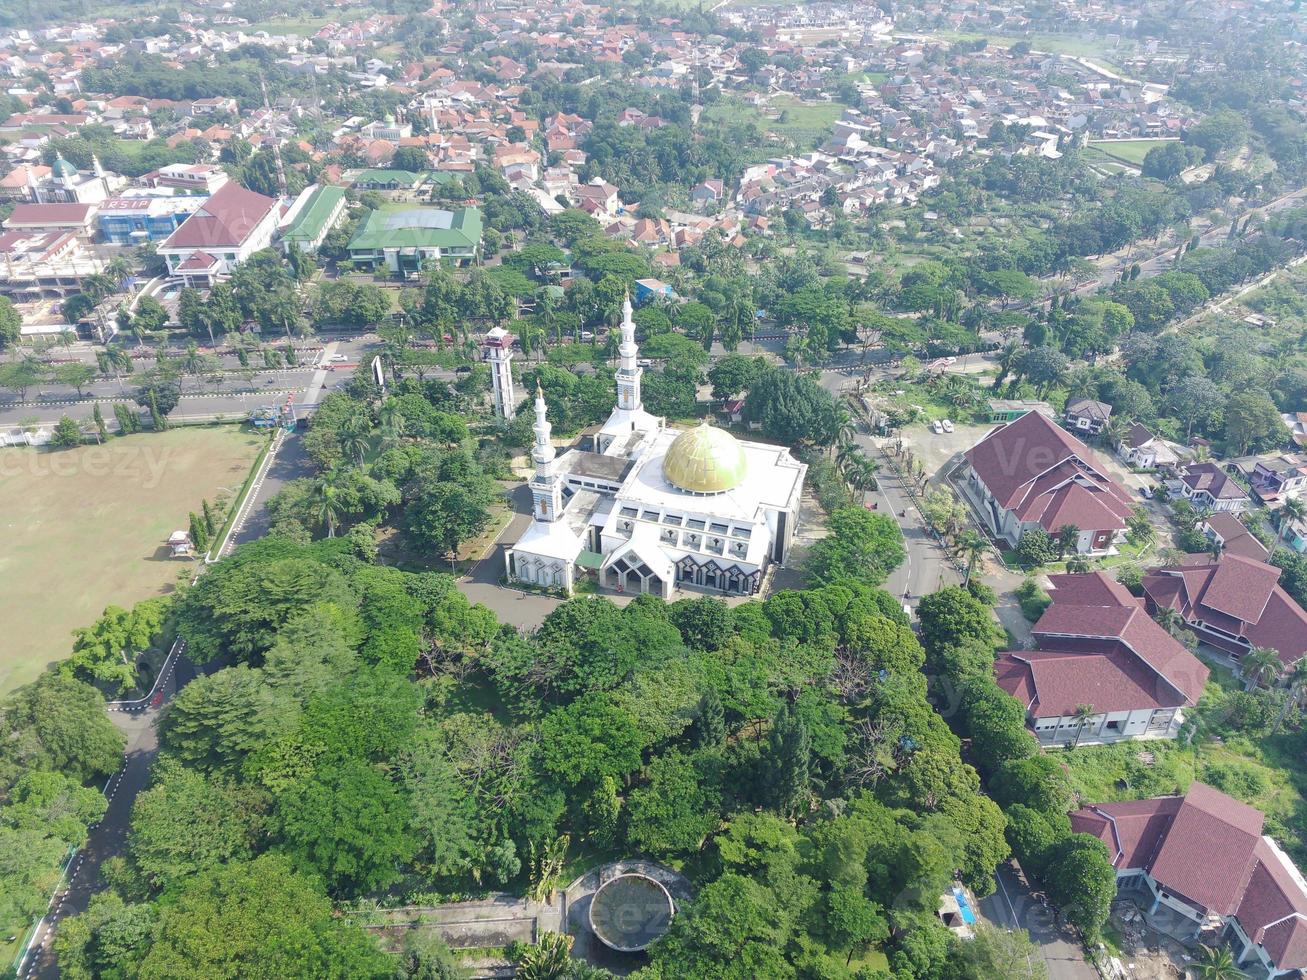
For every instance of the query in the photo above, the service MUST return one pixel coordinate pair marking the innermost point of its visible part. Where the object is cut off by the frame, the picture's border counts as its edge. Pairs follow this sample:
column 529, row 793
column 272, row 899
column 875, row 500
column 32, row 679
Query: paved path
column 291, row 462
column 107, row 838
column 1014, row 906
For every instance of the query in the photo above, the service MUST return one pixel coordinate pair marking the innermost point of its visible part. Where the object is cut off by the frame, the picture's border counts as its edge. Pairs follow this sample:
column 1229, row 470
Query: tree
column 75, row 374
column 160, row 391
column 736, row 929
column 953, row 617
column 1196, row 400
column 1216, row 963
column 1068, row 536
column 1080, row 880
column 108, row 649
column 792, row 409
column 589, row 739
column 261, row 920
column 678, row 808
column 733, row 374
column 993, row 952
column 1261, row 665
column 20, row 375
column 1035, row 547
column 787, row 756
column 67, row 434
column 58, row 723
column 1251, row 422
column 1292, row 511
column 348, row 823
column 860, row 545
column 11, row 323
column 447, row 514
column 186, row 824
column 853, row 921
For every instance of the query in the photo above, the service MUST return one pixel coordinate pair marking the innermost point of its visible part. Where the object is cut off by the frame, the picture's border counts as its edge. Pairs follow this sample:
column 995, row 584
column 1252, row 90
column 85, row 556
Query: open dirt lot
column 85, row 528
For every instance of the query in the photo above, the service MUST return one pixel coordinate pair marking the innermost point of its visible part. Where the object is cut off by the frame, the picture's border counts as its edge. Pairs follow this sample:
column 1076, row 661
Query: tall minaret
column 546, row 487
column 629, row 372
column 498, row 347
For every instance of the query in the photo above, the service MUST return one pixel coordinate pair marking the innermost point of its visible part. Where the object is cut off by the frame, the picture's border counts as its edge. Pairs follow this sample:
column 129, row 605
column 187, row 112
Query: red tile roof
column 1236, row 539
column 1044, row 474
column 225, row 220
column 1208, row 848
column 46, row 215
column 1098, row 646
column 1237, row 595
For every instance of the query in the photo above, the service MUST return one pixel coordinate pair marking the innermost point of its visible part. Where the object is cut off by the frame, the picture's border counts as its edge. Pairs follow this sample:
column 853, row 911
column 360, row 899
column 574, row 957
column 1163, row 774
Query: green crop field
column 85, row 528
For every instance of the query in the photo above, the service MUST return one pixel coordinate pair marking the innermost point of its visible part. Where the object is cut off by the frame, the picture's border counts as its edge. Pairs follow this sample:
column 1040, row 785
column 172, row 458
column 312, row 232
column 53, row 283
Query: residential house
column 1229, row 534
column 1032, row 473
column 1233, row 603
column 1278, row 477
column 709, row 192
column 1208, row 487
column 1143, row 450
column 1097, row 646
column 1087, row 415
column 230, row 227
column 1203, row 863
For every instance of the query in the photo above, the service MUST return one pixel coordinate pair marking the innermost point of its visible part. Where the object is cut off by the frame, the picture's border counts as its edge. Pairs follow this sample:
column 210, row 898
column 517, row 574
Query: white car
column 937, row 427
column 948, row 425
column 339, row 357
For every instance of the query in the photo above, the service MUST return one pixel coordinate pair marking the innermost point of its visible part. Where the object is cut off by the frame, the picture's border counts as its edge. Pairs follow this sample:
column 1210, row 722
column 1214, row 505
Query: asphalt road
column 291, row 462
column 109, row 836
column 1014, row 906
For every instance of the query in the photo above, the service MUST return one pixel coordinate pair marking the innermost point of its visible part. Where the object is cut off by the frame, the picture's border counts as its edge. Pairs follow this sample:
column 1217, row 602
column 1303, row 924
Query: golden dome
column 704, row 460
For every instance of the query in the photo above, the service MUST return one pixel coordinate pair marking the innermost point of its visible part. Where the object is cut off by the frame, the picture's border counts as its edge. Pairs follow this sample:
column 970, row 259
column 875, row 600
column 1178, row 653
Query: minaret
column 546, row 487
column 629, row 371
column 498, row 346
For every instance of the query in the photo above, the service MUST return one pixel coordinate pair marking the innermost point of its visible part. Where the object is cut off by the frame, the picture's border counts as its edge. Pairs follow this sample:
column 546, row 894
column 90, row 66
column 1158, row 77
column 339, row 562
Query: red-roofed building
column 1032, row 473
column 1097, row 646
column 1233, row 603
column 230, row 227
column 1202, row 861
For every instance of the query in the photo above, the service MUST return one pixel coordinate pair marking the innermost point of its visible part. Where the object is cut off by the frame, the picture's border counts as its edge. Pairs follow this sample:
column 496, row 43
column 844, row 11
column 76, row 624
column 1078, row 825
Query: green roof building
column 316, row 212
column 405, row 239
column 387, row 180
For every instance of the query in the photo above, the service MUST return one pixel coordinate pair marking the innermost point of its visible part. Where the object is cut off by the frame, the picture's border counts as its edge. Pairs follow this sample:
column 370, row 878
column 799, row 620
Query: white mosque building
column 655, row 508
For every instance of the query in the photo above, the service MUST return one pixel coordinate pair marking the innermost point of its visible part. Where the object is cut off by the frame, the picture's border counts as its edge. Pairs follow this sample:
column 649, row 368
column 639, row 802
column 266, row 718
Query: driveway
column 1014, row 906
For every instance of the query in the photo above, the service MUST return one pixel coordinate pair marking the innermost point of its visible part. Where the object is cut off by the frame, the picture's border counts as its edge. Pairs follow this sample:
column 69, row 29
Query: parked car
column 937, row 427
column 948, row 425
column 1146, row 492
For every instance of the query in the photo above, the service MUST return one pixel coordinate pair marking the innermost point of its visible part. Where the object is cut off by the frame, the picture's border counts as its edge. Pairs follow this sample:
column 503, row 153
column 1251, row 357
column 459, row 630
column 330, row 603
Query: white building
column 230, row 227
column 656, row 508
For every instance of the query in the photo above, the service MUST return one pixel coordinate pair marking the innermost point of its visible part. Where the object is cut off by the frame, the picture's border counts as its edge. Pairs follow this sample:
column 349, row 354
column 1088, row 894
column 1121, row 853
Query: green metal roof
column 418, row 227
column 402, row 177
column 590, row 559
column 317, row 210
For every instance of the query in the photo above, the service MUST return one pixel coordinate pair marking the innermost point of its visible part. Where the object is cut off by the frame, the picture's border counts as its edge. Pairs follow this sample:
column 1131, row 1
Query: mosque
column 655, row 508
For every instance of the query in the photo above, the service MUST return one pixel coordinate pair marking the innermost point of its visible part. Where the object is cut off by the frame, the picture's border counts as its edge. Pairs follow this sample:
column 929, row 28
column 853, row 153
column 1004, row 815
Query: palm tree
column 1067, row 537
column 326, row 503
column 1293, row 509
column 972, row 544
column 1216, row 963
column 1084, row 714
column 1295, row 677
column 1140, row 527
column 1261, row 664
column 354, row 439
column 1169, row 619
column 393, row 423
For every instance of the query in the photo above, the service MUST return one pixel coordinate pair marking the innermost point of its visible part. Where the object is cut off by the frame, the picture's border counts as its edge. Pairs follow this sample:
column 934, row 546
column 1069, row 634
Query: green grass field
column 804, row 123
column 1127, row 151
column 85, row 528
